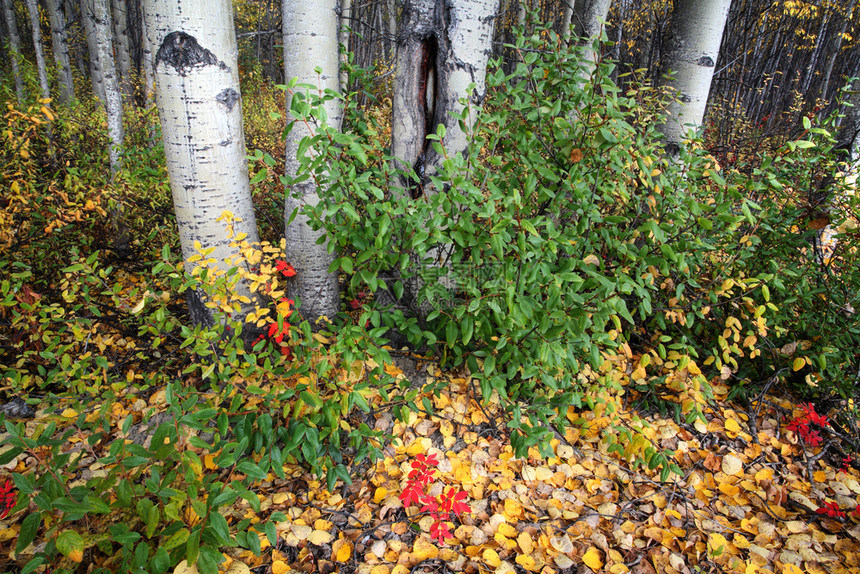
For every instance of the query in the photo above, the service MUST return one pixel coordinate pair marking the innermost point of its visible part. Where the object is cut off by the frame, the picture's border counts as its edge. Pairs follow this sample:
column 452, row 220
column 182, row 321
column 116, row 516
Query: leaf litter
column 751, row 498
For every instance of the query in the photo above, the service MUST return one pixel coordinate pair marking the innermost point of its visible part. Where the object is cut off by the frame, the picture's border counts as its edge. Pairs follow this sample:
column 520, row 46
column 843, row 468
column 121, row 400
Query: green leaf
column 29, row 528
column 70, row 542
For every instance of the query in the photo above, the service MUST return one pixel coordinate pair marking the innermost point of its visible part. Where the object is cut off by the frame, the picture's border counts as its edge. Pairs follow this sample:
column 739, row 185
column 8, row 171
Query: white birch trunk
column 587, row 19
column 60, row 43
column 14, row 48
column 119, row 12
column 107, row 72
column 197, row 91
column 343, row 38
column 691, row 50
column 87, row 15
column 310, row 41
column 146, row 57
column 33, row 11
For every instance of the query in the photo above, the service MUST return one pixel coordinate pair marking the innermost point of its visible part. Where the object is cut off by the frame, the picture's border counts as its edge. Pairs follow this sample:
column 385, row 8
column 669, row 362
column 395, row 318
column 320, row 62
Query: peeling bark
column 199, row 103
column 443, row 47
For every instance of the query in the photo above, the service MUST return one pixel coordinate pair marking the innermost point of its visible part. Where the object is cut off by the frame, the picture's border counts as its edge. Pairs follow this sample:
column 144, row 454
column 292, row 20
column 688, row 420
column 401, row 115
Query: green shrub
column 565, row 234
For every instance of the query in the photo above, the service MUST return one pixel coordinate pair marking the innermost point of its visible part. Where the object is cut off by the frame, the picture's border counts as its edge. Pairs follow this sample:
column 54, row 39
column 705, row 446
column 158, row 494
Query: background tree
column 200, row 107
column 310, row 43
column 41, row 68
column 60, row 45
column 14, row 48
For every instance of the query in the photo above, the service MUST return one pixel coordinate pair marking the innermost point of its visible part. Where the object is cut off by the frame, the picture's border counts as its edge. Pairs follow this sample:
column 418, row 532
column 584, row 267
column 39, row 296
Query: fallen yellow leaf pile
column 744, row 502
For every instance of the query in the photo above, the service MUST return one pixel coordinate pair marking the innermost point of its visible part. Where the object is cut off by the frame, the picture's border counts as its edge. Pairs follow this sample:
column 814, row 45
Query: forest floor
column 752, row 497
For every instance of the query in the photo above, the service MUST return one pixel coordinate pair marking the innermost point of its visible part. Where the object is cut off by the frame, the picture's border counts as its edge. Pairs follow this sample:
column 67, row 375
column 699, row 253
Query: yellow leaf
column 139, row 307
column 424, row 549
column 732, row 465
column 526, row 543
column 592, row 559
column 184, row 568
column 280, row 567
column 506, row 529
column 69, row 414
column 342, row 551
column 798, row 364
column 380, row 494
column 491, row 557
column 319, row 537
column 718, row 544
column 791, row 569
column 764, row 474
column 733, row 426
column 526, row 562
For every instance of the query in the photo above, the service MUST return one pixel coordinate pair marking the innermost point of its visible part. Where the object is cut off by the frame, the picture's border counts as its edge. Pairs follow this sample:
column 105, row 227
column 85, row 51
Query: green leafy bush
column 563, row 235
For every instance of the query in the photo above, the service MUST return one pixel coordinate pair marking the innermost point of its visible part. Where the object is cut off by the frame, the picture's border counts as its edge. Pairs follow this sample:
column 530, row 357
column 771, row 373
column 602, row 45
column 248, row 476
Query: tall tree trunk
column 344, row 33
column 197, row 90
column 587, row 17
column 691, row 50
column 35, row 25
column 828, row 69
column 146, row 57
column 60, row 43
column 443, row 47
column 101, row 21
column 14, row 48
column 87, row 16
column 310, row 41
column 119, row 12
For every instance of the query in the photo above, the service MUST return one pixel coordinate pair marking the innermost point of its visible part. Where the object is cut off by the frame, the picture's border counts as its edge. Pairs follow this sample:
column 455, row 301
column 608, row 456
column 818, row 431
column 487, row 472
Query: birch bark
column 443, row 47
column 14, row 48
column 101, row 21
column 119, row 12
column 197, row 92
column 310, row 41
column 36, row 27
column 60, row 44
column 690, row 51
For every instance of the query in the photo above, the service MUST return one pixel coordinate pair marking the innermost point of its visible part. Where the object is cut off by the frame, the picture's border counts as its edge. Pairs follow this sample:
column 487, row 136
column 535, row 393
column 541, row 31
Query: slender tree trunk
column 87, row 16
column 197, row 89
column 14, row 48
column 344, row 33
column 35, row 25
column 101, row 21
column 119, row 12
column 146, row 57
column 310, row 41
column 691, row 50
column 828, row 69
column 60, row 43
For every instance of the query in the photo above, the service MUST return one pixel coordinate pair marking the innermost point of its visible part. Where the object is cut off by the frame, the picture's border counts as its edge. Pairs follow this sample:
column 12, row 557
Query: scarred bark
column 197, row 91
column 443, row 47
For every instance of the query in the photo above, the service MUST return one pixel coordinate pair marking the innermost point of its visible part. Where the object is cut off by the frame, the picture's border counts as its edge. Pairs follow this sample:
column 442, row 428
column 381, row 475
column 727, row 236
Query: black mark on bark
column 706, row 61
column 182, row 52
column 228, row 98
